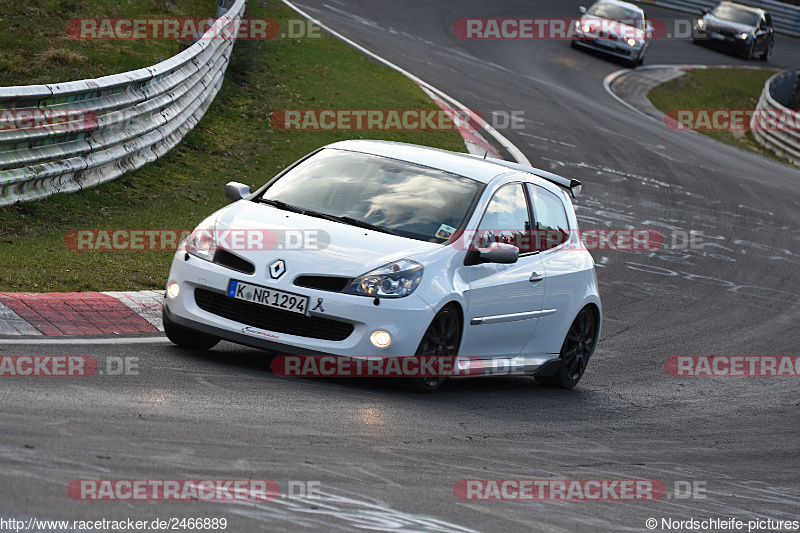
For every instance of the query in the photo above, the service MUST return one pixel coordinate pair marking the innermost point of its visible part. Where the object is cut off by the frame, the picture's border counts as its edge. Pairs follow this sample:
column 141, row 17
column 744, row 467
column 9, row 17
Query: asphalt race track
column 387, row 459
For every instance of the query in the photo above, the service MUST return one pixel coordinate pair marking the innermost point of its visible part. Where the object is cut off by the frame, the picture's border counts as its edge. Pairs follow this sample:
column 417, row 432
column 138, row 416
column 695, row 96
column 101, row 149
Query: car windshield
column 395, row 196
column 735, row 14
column 623, row 14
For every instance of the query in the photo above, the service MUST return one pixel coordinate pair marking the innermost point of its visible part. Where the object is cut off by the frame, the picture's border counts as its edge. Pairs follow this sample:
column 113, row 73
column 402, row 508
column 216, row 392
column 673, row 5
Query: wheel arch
column 459, row 309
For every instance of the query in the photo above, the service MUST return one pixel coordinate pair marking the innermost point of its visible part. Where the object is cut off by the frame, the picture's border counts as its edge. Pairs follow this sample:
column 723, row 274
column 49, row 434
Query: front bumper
column 719, row 41
column 613, row 48
column 406, row 319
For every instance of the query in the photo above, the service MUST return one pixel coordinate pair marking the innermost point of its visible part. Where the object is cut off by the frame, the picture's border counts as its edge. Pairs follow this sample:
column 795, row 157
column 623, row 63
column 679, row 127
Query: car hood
column 311, row 245
column 733, row 28
column 613, row 28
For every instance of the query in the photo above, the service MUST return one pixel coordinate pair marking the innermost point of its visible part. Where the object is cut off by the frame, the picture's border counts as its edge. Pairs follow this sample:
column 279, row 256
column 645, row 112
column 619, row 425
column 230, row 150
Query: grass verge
column 717, row 89
column 234, row 142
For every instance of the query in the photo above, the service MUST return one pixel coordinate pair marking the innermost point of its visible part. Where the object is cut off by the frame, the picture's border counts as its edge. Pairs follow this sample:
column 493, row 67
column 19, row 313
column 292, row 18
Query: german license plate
column 267, row 296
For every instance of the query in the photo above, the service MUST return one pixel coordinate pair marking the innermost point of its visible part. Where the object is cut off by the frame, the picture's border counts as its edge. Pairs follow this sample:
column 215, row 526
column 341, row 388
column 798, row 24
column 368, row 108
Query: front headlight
column 701, row 23
column 394, row 280
column 631, row 41
column 201, row 243
column 743, row 36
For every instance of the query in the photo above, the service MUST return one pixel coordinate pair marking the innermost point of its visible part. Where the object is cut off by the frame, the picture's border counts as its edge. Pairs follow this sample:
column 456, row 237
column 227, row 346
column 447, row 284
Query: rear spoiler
column 572, row 185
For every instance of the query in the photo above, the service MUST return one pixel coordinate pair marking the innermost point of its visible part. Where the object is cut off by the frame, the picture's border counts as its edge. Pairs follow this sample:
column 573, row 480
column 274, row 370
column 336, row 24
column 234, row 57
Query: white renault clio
column 366, row 248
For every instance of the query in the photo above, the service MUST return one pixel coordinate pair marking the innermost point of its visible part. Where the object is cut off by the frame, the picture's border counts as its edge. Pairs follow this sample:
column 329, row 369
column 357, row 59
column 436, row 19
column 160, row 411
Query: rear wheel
column 442, row 338
column 575, row 352
column 188, row 338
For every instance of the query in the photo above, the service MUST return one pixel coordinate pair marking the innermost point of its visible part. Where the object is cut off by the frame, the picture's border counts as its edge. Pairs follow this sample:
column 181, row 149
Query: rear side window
column 551, row 227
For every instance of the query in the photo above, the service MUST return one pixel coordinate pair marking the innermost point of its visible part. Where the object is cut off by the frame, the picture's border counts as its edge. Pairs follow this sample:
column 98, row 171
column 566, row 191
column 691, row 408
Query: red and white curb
column 80, row 313
column 475, row 142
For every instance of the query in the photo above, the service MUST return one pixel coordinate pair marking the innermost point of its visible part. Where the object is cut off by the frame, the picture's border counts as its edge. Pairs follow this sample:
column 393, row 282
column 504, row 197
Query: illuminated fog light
column 381, row 339
column 173, row 289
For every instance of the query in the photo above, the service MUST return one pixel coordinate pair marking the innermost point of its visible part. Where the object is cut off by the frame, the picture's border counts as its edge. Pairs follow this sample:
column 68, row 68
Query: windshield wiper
column 281, row 205
column 345, row 219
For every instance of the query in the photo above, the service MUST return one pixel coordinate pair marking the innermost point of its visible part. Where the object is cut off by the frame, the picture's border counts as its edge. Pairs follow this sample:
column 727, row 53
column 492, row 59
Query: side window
column 552, row 228
column 506, row 219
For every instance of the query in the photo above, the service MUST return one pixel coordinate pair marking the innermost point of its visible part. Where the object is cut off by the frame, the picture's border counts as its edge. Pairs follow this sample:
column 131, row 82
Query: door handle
column 535, row 277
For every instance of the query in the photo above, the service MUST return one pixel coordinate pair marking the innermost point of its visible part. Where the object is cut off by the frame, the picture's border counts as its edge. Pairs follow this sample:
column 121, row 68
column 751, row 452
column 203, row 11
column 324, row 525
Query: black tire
column 578, row 347
column 442, row 337
column 767, row 54
column 188, row 338
column 750, row 51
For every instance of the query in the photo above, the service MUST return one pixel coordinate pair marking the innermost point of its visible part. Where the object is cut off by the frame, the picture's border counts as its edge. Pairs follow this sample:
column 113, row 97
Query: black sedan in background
column 736, row 28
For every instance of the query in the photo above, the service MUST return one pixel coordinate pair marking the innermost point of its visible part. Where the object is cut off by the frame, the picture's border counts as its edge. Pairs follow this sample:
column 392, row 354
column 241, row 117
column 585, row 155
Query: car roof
column 744, row 7
column 620, row 3
column 471, row 166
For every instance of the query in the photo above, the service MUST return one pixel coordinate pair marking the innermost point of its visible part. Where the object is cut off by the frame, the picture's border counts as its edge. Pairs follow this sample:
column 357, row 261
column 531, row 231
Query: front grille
column 262, row 317
column 323, row 283
column 234, row 262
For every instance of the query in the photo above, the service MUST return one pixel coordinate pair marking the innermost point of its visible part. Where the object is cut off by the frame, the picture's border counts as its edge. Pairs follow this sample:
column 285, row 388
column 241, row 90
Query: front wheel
column 575, row 352
column 767, row 55
column 442, row 338
column 750, row 54
column 186, row 337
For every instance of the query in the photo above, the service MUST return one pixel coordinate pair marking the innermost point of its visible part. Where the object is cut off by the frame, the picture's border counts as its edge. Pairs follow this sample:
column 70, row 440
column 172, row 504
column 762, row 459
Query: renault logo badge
column 277, row 269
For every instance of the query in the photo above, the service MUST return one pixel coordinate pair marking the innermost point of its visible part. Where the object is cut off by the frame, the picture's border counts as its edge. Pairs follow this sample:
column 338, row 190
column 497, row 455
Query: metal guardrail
column 91, row 131
column 775, row 125
column 785, row 17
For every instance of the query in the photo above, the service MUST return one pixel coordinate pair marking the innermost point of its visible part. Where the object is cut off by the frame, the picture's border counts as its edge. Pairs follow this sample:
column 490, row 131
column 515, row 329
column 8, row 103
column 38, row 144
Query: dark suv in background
column 736, row 28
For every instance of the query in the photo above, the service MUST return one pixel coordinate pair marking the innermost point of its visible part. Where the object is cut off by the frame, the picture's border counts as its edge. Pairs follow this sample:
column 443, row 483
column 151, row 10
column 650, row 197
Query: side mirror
column 496, row 252
column 236, row 191
column 582, row 9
